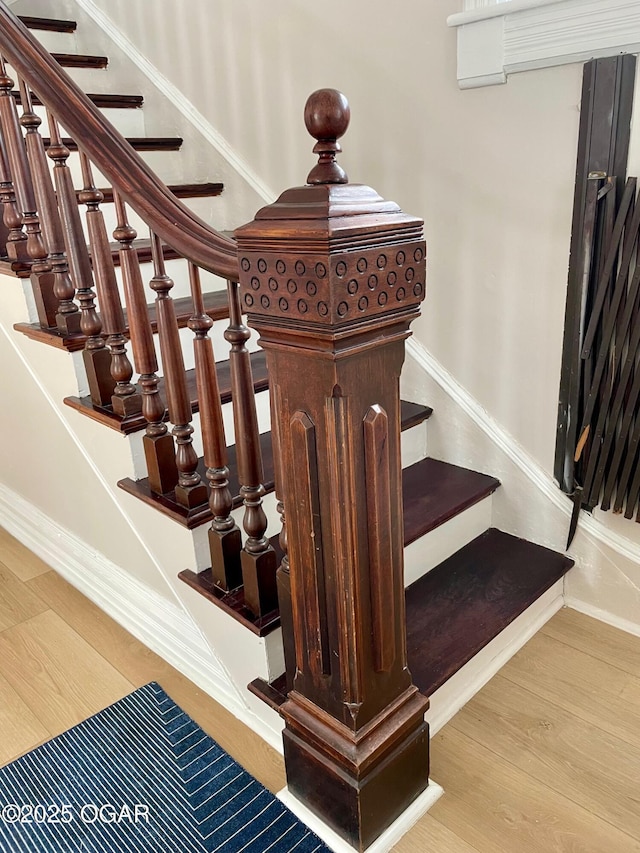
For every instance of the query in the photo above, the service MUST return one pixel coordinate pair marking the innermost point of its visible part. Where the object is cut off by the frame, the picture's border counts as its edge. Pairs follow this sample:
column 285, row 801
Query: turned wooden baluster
column 124, row 399
column 46, row 286
column 190, row 491
column 225, row 541
column 16, row 154
column 97, row 359
column 259, row 562
column 16, row 239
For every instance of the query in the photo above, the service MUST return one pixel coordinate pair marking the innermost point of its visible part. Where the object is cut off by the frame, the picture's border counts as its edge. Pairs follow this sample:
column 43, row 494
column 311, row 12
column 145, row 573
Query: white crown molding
column 178, row 99
column 503, row 38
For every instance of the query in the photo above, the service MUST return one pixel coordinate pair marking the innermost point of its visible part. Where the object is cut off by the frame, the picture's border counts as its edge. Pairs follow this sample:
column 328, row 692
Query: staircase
column 473, row 595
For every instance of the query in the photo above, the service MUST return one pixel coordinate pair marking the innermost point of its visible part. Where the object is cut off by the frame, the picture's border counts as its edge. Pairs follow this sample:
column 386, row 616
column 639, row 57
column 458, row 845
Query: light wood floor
column 545, row 758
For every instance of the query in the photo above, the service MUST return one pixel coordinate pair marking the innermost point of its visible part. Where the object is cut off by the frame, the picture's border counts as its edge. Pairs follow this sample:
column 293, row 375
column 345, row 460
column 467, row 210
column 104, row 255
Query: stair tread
column 202, row 514
column 461, row 605
column 136, row 423
column 456, row 609
column 80, row 60
column 139, row 143
column 215, row 302
column 436, row 491
column 51, row 24
column 205, row 189
column 101, row 100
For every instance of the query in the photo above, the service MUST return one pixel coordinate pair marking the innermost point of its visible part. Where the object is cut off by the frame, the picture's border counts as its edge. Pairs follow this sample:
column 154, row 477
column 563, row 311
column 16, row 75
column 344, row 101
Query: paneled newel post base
column 331, row 278
column 359, row 783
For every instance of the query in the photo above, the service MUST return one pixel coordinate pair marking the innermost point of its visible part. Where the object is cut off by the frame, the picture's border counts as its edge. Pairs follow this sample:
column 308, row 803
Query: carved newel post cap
column 326, row 116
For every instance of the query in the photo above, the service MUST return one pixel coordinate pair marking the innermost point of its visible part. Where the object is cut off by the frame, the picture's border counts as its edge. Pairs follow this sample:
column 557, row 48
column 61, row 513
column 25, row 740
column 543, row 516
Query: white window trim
column 501, row 37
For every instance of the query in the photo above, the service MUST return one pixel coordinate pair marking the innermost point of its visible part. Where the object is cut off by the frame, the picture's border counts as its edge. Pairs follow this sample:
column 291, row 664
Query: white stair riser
column 262, row 409
column 88, row 79
column 177, row 269
column 200, row 206
column 129, row 122
column 56, row 42
column 413, row 444
column 437, row 545
column 170, row 165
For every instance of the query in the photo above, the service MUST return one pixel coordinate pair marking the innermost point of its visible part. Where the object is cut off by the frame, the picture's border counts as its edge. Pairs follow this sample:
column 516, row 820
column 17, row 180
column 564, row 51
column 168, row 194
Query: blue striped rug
column 141, row 777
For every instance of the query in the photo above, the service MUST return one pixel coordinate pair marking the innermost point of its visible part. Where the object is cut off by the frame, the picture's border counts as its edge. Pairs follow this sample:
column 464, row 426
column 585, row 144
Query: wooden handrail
column 109, row 150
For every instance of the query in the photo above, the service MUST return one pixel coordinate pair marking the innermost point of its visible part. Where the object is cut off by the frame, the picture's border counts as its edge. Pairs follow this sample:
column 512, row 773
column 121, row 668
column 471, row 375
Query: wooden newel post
column 331, row 277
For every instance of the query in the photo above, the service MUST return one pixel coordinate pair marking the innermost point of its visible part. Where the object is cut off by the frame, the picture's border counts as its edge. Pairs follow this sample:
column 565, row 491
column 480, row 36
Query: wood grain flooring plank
column 577, row 759
column 599, row 694
column 22, row 562
column 431, row 836
column 498, row 808
column 139, row 665
column 20, row 729
column 57, row 674
column 601, row 641
column 17, row 603
column 133, row 659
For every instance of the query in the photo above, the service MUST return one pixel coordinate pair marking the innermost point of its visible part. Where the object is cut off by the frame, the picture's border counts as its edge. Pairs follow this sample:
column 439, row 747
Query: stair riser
column 56, row 42
column 461, row 687
column 413, row 444
column 200, row 206
column 88, row 79
column 437, row 545
column 262, row 409
column 130, row 122
column 169, row 164
column 178, row 270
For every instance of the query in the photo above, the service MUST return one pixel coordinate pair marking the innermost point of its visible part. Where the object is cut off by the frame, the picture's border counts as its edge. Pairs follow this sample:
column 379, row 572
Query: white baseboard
column 389, row 838
column 154, row 620
column 464, row 685
column 603, row 615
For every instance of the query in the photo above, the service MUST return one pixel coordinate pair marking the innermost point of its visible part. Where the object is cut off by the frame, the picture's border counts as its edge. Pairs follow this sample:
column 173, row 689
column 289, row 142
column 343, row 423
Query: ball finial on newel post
column 326, row 116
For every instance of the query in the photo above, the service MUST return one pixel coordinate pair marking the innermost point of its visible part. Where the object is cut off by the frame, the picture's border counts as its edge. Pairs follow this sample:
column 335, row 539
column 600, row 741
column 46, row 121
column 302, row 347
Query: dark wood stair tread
column 139, row 143
column 80, row 60
column 436, row 491
column 102, row 101
column 216, row 306
column 461, row 605
column 457, row 608
column 126, row 426
column 202, row 190
column 191, row 518
column 52, row 25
